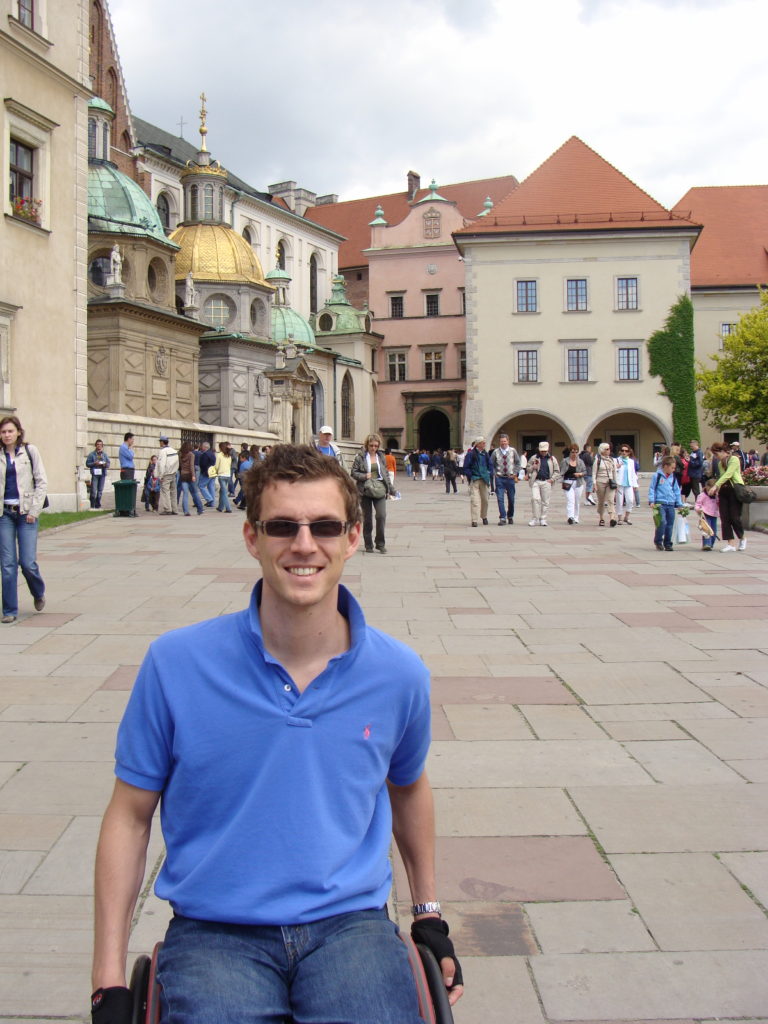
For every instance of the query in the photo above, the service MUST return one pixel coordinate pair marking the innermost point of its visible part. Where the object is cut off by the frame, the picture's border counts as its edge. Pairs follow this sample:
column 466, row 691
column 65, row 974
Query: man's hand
column 112, row 1006
column 432, row 932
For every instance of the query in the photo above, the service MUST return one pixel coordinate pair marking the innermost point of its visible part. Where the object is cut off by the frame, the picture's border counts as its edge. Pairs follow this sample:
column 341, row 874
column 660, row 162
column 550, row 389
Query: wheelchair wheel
column 145, row 989
column 441, row 1005
column 139, row 986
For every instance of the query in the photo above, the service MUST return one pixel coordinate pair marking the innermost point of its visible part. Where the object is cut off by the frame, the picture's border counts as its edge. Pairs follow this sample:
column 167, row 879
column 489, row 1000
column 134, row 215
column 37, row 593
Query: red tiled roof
column 731, row 249
column 574, row 189
column 352, row 218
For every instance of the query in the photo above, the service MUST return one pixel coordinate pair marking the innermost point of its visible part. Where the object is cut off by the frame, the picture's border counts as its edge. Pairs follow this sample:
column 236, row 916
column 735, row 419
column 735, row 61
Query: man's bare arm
column 120, row 861
column 413, row 826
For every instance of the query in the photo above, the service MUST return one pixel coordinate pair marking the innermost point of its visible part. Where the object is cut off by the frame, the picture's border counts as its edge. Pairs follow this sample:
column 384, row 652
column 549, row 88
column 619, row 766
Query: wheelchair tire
column 443, row 1014
column 139, row 987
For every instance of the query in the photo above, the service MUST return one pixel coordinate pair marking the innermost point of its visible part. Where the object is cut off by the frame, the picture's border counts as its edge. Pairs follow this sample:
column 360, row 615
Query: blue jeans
column 97, row 486
column 208, row 488
column 223, row 505
column 190, row 487
column 18, row 547
column 709, row 542
column 505, row 485
column 349, row 969
column 663, row 534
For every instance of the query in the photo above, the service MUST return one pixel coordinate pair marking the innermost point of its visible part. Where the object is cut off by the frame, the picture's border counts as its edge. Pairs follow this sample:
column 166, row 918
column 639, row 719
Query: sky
column 346, row 97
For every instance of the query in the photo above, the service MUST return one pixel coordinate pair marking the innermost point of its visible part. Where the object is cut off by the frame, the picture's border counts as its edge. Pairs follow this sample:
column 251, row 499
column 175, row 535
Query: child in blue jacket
column 664, row 493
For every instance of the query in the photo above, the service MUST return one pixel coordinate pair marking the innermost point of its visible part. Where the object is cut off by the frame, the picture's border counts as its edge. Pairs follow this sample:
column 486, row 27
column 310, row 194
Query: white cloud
column 346, row 96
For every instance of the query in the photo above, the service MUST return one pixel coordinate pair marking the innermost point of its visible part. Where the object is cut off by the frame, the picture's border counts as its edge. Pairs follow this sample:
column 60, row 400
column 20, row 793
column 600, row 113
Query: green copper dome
column 288, row 325
column 117, row 205
column 97, row 103
column 339, row 316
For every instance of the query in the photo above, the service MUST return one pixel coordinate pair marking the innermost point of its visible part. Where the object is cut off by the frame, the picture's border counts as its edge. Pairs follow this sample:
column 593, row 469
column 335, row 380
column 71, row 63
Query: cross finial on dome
column 203, row 126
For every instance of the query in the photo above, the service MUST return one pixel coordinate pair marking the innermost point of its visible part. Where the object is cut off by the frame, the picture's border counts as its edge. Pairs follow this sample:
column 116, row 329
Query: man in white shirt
column 325, row 444
column 166, row 468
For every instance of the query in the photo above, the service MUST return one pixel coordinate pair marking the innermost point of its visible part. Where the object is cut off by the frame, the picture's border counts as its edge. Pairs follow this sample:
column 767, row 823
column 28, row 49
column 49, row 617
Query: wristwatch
column 432, row 907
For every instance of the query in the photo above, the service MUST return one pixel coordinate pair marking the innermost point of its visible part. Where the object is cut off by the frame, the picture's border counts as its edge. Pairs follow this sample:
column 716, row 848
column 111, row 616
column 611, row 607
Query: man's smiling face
column 304, row 570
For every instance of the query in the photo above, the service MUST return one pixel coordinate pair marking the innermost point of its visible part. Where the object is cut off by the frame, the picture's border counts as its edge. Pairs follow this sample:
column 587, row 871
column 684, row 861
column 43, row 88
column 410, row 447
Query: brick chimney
column 414, row 184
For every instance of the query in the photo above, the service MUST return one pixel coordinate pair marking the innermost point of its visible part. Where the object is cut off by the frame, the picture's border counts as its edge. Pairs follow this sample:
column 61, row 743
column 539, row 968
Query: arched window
column 92, row 127
column 347, row 407
column 281, row 255
column 112, row 89
column 193, row 205
column 248, row 236
column 164, row 210
column 208, row 202
column 258, row 317
column 313, row 283
column 127, row 144
column 318, row 406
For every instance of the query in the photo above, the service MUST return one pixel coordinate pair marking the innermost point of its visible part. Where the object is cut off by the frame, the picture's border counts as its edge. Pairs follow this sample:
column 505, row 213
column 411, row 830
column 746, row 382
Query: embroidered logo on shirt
column 367, row 732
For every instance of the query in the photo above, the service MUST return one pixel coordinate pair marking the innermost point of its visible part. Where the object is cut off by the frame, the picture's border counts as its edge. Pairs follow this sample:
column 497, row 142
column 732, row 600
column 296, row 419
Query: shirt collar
column 347, row 605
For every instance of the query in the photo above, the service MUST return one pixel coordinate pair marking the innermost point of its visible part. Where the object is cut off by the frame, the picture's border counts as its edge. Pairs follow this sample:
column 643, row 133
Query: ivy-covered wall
column 671, row 357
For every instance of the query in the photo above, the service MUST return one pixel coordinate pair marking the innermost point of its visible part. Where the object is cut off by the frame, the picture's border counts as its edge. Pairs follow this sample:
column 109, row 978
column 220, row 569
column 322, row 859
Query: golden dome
column 213, row 252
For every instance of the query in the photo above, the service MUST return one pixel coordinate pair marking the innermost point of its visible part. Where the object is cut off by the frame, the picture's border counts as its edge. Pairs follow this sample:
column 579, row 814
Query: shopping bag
column 680, row 532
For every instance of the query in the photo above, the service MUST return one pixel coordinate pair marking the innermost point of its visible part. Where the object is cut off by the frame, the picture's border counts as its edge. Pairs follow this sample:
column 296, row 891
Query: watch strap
column 431, row 907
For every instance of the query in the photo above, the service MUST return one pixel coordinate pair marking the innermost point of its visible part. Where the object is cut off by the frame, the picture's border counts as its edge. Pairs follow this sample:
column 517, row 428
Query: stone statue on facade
column 116, row 265
column 191, row 294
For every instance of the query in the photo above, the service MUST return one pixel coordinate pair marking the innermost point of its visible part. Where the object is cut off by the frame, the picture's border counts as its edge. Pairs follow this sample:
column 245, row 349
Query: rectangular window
column 433, row 305
column 578, row 364
column 27, row 13
column 526, row 297
column 626, row 293
column 433, row 365
column 463, row 302
column 726, row 329
column 396, row 365
column 396, row 308
column 527, row 366
column 629, row 364
column 21, row 168
column 463, row 363
column 576, row 294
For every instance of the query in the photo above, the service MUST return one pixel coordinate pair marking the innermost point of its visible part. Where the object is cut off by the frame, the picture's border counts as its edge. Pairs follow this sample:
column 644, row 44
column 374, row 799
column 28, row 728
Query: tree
column 735, row 391
column 671, row 357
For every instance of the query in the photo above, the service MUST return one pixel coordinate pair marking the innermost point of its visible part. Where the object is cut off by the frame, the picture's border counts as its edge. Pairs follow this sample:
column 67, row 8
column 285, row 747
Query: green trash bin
column 125, row 497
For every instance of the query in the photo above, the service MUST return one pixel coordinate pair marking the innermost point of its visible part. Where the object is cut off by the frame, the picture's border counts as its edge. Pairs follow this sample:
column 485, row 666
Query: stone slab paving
column 600, row 755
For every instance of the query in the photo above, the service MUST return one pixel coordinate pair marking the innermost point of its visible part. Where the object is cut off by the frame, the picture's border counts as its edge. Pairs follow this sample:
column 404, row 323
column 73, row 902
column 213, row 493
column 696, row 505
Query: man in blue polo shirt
column 287, row 742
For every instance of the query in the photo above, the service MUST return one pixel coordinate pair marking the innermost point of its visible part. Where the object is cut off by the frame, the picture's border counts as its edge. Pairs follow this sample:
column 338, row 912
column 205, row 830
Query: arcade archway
column 434, row 430
column 640, row 432
column 527, row 429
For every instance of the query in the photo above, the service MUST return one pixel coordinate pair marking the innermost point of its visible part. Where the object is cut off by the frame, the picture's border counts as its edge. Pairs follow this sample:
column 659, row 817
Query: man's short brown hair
column 294, row 463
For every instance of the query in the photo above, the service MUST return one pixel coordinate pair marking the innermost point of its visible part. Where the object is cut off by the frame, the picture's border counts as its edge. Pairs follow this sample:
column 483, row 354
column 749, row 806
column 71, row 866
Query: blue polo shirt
column 274, row 802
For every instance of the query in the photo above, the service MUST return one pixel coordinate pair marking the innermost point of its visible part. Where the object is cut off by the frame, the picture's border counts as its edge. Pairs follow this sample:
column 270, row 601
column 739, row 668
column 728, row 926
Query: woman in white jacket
column 23, row 483
column 626, row 482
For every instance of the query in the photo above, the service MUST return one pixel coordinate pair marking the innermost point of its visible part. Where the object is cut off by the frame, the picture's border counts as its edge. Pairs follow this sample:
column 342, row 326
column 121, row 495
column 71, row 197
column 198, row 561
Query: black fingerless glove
column 432, row 932
column 112, row 1005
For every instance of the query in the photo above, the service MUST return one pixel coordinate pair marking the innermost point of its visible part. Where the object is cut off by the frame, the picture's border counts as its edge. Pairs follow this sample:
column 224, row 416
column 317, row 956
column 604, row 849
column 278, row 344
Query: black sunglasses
column 323, row 528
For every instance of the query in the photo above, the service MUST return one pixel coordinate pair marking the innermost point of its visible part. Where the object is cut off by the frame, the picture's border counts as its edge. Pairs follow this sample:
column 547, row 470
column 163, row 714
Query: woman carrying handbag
column 369, row 470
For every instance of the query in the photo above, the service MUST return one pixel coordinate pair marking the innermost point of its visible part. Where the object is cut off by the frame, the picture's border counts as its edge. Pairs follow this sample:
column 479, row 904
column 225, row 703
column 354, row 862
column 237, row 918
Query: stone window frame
column 626, row 296
column 34, row 130
column 627, row 344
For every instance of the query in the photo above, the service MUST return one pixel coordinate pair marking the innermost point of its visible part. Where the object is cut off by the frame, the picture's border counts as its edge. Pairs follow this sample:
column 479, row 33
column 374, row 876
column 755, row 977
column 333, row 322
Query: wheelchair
column 434, row 1006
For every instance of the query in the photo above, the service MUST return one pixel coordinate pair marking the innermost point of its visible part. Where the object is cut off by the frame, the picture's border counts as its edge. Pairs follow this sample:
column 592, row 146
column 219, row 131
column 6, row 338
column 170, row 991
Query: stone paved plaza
column 600, row 754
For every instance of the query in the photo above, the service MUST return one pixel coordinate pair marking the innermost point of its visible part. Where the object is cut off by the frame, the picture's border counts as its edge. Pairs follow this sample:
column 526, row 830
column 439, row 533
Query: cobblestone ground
column 600, row 752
